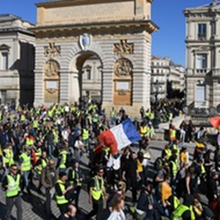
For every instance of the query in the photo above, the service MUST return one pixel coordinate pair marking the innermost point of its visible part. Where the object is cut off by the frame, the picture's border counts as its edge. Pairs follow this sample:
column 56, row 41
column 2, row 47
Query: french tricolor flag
column 119, row 136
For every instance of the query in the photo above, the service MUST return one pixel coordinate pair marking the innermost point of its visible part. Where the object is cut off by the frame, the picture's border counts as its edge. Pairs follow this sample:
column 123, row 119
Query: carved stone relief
column 51, row 69
column 123, row 68
column 123, row 47
column 52, row 50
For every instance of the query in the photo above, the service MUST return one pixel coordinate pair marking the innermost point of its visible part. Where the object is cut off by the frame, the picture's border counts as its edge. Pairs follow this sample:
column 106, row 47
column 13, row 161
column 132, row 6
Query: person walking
column 12, row 185
column 97, row 194
column 130, row 175
column 117, row 210
column 49, row 177
column 25, row 166
column 75, row 178
column 61, row 191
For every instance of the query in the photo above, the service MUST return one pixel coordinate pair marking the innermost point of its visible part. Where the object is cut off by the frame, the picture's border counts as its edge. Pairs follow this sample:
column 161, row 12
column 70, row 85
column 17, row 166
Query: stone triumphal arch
column 113, row 35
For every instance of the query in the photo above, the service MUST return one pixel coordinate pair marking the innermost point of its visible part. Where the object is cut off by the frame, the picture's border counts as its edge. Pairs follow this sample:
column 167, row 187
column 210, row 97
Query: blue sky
column 167, row 14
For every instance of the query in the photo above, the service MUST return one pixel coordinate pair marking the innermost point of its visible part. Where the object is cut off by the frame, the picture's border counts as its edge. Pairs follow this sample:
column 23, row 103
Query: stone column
column 64, row 86
column 74, row 87
column 39, row 88
column 107, row 85
column 216, row 92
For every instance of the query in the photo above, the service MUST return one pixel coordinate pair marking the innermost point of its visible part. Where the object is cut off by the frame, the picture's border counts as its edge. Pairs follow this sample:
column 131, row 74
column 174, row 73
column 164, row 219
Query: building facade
column 203, row 55
column 16, row 60
column 117, row 33
column 165, row 74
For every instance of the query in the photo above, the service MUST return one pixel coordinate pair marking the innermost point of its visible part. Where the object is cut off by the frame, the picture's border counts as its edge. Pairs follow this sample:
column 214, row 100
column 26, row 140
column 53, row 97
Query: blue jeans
column 50, row 151
column 26, row 180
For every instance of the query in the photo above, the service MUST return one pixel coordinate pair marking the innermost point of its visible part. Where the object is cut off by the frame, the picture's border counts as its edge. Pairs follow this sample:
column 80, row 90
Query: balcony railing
column 201, row 36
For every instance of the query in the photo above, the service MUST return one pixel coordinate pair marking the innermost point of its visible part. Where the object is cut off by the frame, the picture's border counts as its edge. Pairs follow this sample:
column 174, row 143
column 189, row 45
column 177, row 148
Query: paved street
column 33, row 206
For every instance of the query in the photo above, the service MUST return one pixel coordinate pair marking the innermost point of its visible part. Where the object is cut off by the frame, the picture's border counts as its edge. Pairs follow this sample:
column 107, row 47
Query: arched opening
column 89, row 67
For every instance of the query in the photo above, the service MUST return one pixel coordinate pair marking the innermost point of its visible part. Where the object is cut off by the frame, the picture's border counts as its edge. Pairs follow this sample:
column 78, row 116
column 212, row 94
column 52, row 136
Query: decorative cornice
column 72, row 30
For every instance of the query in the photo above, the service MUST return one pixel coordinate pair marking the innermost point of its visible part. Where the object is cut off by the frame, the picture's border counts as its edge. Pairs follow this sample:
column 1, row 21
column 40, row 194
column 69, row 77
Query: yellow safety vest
column 61, row 199
column 143, row 131
column 97, row 189
column 29, row 142
column 175, row 168
column 168, row 152
column 42, row 165
column 113, row 113
column 177, row 214
column 26, row 164
column 35, row 124
column 176, row 202
column 9, row 157
column 63, row 159
column 75, row 175
column 173, row 134
column 13, row 187
column 203, row 169
column 22, row 119
column 85, row 135
column 38, row 153
column 175, row 147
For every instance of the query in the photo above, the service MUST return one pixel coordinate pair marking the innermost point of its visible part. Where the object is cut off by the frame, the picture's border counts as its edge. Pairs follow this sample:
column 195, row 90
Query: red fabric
column 107, row 139
column 34, row 157
column 215, row 121
column 98, row 149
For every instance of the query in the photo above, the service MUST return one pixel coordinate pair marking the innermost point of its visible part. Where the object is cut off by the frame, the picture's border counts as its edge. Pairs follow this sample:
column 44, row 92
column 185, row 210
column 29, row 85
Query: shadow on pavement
column 36, row 203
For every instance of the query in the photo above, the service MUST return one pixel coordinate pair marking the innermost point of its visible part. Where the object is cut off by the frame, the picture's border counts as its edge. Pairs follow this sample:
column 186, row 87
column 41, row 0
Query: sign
column 123, row 85
column 51, row 84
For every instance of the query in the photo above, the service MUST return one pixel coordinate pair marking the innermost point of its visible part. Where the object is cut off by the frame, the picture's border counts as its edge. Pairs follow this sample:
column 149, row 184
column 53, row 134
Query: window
column 202, row 31
column 201, row 61
column 200, row 94
column 88, row 74
column 5, row 61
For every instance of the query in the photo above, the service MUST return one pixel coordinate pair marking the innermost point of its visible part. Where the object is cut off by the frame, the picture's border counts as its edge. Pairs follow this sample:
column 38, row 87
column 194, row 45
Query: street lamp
column 156, row 116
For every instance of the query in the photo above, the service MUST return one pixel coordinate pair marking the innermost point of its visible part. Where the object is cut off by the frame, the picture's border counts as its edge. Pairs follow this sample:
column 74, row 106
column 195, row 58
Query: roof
column 8, row 17
column 207, row 6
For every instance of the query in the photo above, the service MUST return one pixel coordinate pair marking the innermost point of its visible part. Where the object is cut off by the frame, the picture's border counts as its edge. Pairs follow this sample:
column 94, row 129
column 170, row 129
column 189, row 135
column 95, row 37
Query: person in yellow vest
column 173, row 170
column 12, row 186
column 61, row 190
column 8, row 159
column 143, row 130
column 113, row 115
column 75, row 178
column 38, row 150
column 166, row 151
column 185, row 210
column 172, row 134
column 41, row 163
column 25, row 167
column 97, row 194
column 29, row 140
column 62, row 160
column 85, row 136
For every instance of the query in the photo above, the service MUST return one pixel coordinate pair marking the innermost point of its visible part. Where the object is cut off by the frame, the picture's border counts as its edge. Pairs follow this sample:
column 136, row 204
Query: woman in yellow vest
column 61, row 190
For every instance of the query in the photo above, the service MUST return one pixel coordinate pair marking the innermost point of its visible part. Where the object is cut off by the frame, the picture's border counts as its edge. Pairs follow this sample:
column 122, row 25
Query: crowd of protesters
column 45, row 145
